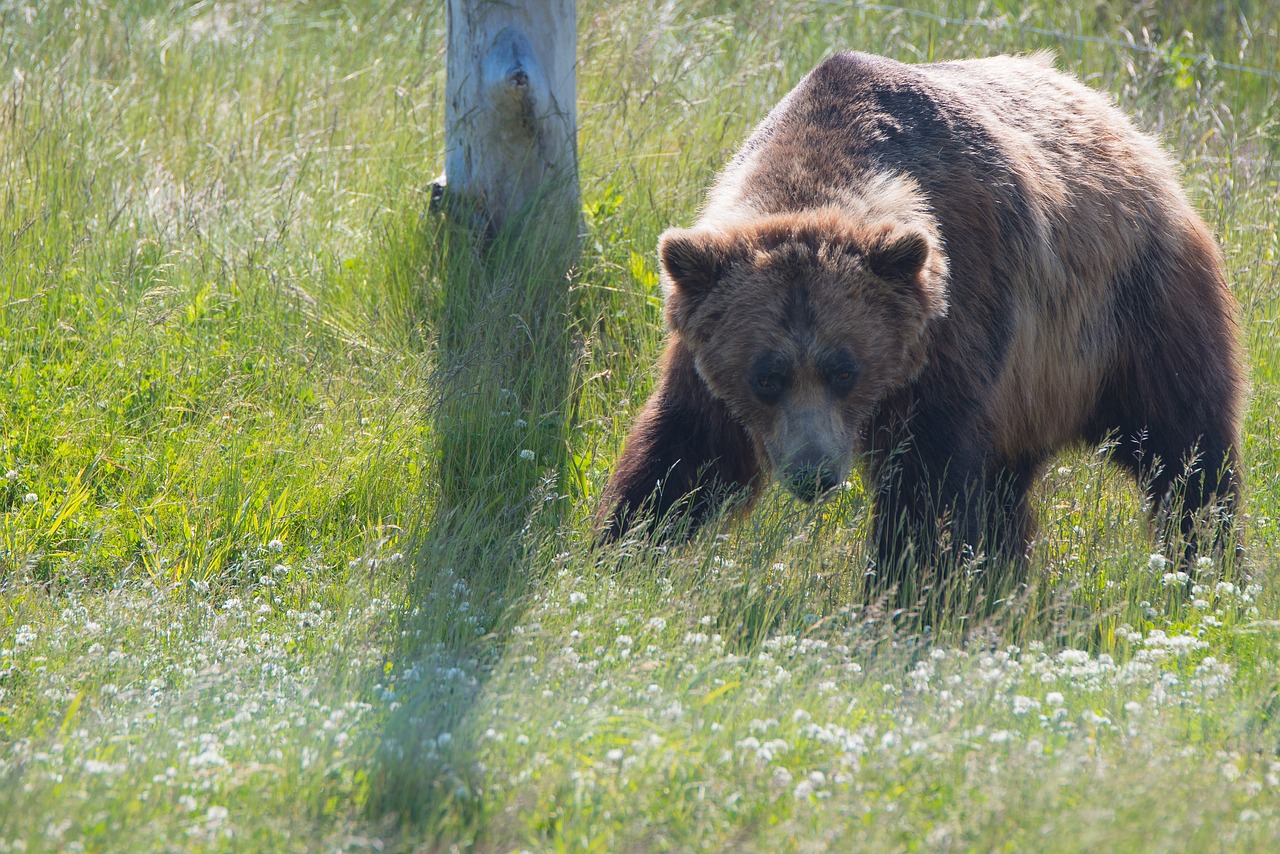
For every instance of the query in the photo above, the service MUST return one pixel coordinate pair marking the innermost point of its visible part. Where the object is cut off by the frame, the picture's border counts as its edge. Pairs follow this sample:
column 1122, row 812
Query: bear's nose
column 811, row 480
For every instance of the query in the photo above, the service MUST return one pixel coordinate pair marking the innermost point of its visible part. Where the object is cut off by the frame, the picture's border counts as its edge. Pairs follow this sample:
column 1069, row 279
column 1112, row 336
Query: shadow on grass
column 505, row 366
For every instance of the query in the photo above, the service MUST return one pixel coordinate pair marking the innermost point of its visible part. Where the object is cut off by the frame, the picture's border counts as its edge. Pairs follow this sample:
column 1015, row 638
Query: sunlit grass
column 295, row 548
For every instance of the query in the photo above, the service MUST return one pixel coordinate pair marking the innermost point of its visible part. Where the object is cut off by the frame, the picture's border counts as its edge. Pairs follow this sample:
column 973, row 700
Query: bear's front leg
column 940, row 500
column 686, row 454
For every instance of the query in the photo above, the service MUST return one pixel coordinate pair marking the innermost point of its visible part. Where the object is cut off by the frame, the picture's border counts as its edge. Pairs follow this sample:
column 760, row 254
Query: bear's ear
column 898, row 254
column 692, row 259
column 904, row 256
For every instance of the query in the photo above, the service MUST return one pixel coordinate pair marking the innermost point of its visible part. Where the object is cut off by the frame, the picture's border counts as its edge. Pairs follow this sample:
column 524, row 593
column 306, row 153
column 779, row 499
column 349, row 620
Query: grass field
column 296, row 497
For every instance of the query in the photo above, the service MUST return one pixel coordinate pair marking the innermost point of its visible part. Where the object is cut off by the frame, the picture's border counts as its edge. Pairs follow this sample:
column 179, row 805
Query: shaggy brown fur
column 953, row 270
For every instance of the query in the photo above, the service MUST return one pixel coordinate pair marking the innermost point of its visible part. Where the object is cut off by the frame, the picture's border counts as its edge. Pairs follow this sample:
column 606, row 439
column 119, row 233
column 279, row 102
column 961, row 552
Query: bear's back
column 1044, row 197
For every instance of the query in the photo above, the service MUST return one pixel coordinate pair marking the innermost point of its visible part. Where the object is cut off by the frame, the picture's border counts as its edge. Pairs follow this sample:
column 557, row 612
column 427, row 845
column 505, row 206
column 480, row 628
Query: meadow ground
column 296, row 497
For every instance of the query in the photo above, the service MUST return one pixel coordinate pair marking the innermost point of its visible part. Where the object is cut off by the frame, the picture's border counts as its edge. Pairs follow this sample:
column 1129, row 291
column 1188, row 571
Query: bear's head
column 802, row 324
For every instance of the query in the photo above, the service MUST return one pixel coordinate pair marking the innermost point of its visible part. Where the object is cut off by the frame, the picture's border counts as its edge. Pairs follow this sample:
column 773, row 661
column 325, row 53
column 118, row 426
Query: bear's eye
column 768, row 378
column 841, row 373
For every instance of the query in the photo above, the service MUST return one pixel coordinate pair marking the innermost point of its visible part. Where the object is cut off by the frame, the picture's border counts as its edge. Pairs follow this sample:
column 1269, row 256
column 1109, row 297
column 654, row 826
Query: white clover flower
column 803, row 790
column 1054, row 698
column 1022, row 705
column 1157, row 562
column 614, row 755
column 657, row 624
column 30, row 498
column 95, row 766
column 527, row 455
column 577, row 597
column 276, row 545
column 11, row 474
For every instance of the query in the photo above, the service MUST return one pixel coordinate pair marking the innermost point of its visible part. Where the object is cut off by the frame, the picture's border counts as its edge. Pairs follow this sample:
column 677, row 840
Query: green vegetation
column 294, row 548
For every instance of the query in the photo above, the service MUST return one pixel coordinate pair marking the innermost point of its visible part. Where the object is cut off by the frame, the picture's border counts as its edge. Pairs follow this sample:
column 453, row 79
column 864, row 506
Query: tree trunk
column 510, row 114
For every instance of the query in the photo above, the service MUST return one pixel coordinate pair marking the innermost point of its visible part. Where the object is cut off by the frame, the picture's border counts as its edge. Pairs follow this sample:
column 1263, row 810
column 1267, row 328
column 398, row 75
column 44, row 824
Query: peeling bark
column 510, row 113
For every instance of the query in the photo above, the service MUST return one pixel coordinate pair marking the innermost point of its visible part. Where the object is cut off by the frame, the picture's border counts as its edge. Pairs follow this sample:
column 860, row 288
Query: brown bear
column 947, row 272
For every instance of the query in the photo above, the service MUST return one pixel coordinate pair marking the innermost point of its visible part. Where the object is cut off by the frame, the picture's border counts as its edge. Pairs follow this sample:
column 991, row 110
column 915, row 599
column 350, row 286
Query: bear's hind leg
column 1190, row 474
column 1173, row 400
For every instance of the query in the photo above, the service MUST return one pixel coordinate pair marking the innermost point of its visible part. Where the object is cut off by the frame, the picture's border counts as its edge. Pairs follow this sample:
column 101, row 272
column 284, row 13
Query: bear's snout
column 810, row 475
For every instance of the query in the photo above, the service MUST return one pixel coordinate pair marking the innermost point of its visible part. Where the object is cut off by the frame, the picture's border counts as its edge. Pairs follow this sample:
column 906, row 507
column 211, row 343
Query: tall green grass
column 298, row 484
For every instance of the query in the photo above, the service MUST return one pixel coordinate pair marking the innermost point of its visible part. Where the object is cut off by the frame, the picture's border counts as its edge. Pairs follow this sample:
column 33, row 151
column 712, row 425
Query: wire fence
column 1129, row 43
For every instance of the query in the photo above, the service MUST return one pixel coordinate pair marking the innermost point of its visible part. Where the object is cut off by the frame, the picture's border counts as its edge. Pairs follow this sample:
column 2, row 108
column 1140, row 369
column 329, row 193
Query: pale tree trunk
column 510, row 114
column 511, row 184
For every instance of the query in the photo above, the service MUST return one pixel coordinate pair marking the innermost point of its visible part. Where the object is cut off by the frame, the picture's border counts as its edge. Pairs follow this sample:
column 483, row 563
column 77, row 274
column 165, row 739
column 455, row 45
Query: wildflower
column 657, row 624
column 30, row 498
column 276, row 545
column 527, row 455
column 1022, row 705
column 577, row 597
column 1054, row 698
